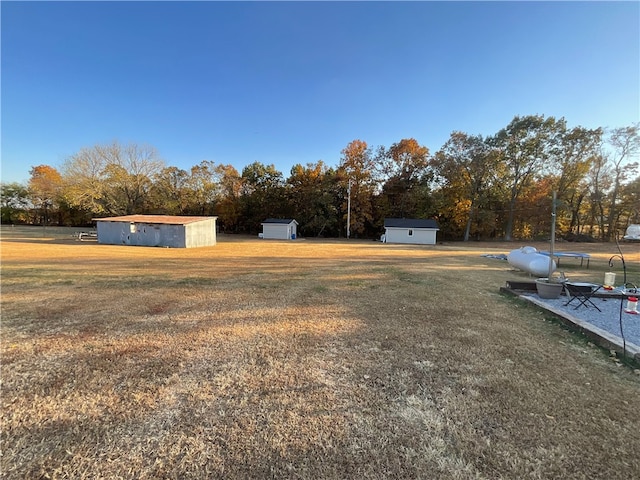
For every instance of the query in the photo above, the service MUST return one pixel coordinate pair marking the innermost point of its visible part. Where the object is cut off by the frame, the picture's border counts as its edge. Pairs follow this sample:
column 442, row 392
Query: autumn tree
column 466, row 166
column 202, row 189
column 45, row 184
column 625, row 145
column 83, row 176
column 536, row 204
column 111, row 179
column 309, row 189
column 599, row 183
column 523, row 147
column 629, row 204
column 360, row 171
column 228, row 207
column 575, row 152
column 127, row 176
column 405, row 165
column 611, row 170
column 263, row 195
column 169, row 193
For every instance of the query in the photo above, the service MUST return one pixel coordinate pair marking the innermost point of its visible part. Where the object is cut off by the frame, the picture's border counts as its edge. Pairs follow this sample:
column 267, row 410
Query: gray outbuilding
column 280, row 228
column 157, row 231
column 410, row 230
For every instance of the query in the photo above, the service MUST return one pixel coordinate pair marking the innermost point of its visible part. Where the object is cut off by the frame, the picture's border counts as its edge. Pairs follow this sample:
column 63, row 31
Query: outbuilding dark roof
column 410, row 223
column 155, row 219
column 283, row 221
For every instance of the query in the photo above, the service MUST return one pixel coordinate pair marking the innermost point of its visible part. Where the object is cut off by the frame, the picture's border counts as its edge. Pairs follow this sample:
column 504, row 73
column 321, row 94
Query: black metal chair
column 581, row 293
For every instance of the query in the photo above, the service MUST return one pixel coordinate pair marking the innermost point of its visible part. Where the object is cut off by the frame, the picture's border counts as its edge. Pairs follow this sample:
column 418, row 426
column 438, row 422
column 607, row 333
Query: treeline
column 476, row 187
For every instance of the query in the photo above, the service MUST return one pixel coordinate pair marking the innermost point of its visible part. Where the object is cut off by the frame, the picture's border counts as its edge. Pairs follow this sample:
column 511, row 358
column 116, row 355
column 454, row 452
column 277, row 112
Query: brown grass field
column 313, row 359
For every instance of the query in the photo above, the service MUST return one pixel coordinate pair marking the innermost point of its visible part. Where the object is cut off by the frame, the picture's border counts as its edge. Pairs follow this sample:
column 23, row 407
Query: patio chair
column 581, row 293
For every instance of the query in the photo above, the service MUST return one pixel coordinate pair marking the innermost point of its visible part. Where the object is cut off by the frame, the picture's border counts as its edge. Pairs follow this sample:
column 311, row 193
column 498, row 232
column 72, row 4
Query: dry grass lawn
column 308, row 359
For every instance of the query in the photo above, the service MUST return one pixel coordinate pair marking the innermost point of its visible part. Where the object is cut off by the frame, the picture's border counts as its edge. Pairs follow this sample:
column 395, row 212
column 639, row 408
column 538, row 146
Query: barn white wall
column 197, row 234
column 421, row 236
column 201, row 234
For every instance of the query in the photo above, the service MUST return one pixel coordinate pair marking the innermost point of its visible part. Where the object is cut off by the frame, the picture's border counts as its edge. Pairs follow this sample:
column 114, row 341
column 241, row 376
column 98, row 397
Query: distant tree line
column 476, row 187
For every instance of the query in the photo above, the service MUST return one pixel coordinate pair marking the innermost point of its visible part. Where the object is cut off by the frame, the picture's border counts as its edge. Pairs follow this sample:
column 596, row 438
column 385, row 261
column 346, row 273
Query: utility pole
column 349, row 209
column 553, row 235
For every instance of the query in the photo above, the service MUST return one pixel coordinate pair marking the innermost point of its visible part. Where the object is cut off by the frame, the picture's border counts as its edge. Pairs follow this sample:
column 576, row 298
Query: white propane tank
column 529, row 260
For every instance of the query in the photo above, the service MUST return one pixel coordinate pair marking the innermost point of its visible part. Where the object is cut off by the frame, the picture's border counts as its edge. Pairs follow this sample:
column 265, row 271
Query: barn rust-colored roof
column 164, row 219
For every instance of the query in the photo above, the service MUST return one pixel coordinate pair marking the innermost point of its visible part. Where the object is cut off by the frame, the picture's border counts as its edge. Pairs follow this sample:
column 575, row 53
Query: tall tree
column 576, row 151
column 630, row 203
column 524, row 150
column 263, row 195
column 111, row 179
column 360, row 171
column 625, row 145
column 127, row 175
column 14, row 202
column 310, row 195
column 466, row 162
column 45, row 184
column 169, row 193
column 228, row 206
column 203, row 188
column 405, row 165
column 407, row 160
column 600, row 181
column 83, row 177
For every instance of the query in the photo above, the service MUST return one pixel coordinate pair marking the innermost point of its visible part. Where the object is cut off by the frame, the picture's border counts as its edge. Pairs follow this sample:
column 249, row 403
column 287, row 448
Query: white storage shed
column 280, row 228
column 410, row 230
column 157, row 231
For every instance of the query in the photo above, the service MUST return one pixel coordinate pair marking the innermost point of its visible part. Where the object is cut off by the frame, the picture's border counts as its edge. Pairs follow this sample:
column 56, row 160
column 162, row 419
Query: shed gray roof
column 410, row 223
column 158, row 219
column 283, row 221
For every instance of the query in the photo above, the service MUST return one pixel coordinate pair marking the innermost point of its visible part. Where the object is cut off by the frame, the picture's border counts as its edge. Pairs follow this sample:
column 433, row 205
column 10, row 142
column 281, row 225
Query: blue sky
column 295, row 82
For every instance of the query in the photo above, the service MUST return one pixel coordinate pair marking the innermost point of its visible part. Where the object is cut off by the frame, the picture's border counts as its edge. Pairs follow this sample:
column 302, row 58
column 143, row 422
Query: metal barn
column 157, row 231
column 280, row 228
column 410, row 230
